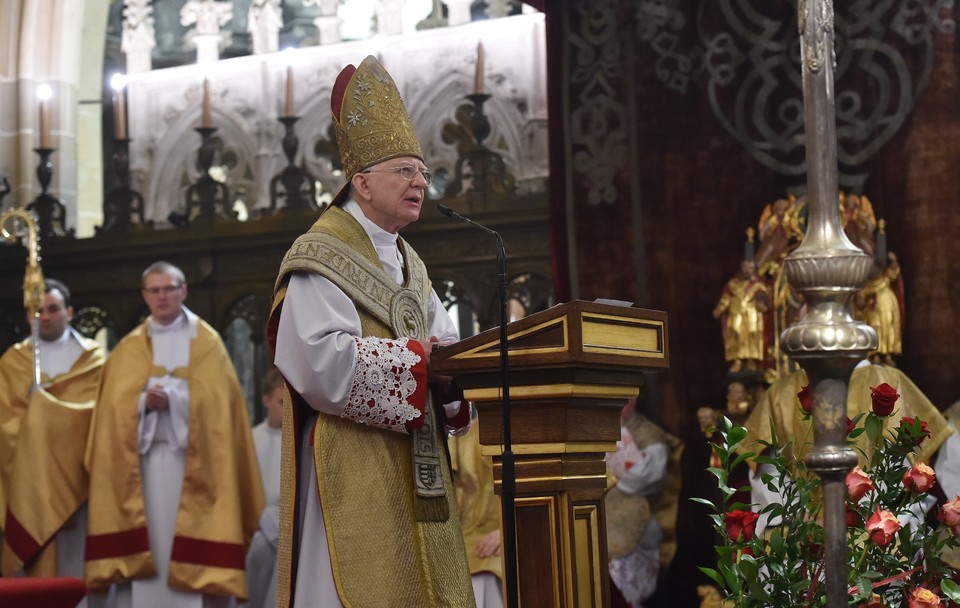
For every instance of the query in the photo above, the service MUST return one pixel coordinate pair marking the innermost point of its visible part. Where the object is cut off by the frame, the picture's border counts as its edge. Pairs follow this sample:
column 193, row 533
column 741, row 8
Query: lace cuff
column 389, row 384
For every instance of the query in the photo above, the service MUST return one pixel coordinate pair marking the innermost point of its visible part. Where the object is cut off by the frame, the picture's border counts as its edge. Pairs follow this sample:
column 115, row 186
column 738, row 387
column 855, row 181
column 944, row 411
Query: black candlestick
column 50, row 212
column 122, row 202
column 487, row 170
column 205, row 195
column 294, row 184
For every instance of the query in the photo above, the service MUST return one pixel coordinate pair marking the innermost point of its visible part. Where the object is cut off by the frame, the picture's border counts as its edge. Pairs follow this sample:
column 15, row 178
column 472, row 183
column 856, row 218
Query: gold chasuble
column 221, row 498
column 43, row 437
column 382, row 550
column 781, row 405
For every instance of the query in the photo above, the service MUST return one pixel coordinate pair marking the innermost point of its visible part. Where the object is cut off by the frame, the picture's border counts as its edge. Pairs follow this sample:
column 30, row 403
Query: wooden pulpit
column 571, row 370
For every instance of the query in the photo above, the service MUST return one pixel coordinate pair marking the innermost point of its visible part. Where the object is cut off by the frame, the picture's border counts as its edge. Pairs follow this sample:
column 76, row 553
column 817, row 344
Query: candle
column 478, row 74
column 288, row 100
column 44, row 93
column 119, row 107
column 205, row 108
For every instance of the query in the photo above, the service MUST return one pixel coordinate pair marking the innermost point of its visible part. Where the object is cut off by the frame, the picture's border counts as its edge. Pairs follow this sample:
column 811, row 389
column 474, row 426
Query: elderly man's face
column 387, row 198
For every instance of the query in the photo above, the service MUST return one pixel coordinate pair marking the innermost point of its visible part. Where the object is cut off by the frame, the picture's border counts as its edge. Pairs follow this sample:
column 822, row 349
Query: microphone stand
column 508, row 477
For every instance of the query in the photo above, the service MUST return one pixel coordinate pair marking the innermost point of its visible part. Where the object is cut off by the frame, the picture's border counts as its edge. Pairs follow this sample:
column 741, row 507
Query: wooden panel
column 586, row 535
column 538, row 551
column 587, row 420
column 616, row 335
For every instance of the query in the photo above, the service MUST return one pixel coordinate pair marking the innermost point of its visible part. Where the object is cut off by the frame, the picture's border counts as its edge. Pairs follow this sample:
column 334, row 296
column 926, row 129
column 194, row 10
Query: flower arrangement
column 894, row 553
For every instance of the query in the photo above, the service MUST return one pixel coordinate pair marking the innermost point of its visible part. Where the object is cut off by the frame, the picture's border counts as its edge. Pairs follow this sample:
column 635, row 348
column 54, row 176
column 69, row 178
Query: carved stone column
column 327, row 22
column 390, row 17
column 458, row 12
column 827, row 269
column 138, row 37
column 209, row 16
column 264, row 20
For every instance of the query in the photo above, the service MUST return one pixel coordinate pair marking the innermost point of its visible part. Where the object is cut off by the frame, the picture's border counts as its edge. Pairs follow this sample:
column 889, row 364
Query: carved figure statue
column 880, row 302
column 741, row 309
column 780, row 225
column 264, row 20
column 879, row 305
column 859, row 222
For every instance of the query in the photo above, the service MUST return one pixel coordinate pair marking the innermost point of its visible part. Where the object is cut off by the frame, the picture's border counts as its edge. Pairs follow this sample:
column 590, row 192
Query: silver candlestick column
column 827, row 269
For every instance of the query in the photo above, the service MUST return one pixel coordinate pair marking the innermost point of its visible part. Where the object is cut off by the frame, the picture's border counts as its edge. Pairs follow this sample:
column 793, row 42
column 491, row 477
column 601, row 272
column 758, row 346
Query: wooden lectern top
column 578, row 334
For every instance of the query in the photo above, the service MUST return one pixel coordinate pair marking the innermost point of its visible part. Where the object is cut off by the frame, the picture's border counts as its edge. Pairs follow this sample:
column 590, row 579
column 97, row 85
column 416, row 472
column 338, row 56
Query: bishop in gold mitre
column 368, row 514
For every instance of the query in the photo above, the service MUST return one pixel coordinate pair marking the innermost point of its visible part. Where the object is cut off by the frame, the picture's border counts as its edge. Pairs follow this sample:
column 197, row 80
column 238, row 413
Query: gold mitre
column 371, row 122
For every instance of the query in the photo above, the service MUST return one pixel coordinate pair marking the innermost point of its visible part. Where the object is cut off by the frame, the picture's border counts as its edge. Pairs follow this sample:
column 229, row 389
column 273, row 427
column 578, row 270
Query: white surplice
column 317, row 352
column 162, row 442
column 262, row 555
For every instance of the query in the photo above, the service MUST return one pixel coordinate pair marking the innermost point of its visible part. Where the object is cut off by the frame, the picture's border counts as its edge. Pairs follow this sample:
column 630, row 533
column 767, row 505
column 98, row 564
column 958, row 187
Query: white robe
column 262, row 556
column 162, row 442
column 317, row 354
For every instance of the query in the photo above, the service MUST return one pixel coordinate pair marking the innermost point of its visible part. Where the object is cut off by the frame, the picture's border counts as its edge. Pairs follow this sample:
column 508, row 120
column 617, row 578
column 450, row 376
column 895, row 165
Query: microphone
column 508, row 481
column 447, row 211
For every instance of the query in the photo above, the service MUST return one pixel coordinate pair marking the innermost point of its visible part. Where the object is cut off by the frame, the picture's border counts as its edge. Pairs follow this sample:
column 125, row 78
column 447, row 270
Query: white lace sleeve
column 383, row 384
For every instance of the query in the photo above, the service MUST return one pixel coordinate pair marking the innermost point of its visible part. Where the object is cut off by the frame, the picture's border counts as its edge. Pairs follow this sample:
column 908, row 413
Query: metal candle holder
column 208, row 197
column 122, row 202
column 294, row 184
column 827, row 269
column 488, row 171
column 50, row 212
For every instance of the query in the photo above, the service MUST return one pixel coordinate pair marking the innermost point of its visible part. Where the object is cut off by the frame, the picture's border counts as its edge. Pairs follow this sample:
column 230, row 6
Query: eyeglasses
column 407, row 172
column 153, row 291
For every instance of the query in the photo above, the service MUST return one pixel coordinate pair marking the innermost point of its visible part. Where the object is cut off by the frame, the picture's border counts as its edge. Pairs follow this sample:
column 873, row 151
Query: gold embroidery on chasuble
column 381, row 552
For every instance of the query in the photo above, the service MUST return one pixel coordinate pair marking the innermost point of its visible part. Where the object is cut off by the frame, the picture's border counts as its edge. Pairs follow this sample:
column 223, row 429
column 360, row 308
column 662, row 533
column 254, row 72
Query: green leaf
column 736, row 435
column 776, row 541
column 951, row 589
column 703, row 501
column 740, row 458
column 714, row 576
column 874, row 427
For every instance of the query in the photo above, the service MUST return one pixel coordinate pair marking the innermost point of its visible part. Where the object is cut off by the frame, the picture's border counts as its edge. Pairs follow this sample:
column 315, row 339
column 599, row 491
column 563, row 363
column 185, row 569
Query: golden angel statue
column 741, row 310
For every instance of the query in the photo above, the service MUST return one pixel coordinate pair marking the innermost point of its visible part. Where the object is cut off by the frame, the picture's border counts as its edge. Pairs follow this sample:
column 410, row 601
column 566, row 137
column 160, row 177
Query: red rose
column 950, row 515
column 924, row 430
column 923, row 598
column 806, row 399
column 883, row 398
column 858, row 484
column 882, row 526
column 741, row 525
column 919, row 478
column 850, row 426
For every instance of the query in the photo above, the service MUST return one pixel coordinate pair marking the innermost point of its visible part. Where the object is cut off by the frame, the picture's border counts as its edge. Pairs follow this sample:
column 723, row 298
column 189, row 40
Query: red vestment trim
column 19, row 540
column 117, row 544
column 208, row 553
column 419, row 397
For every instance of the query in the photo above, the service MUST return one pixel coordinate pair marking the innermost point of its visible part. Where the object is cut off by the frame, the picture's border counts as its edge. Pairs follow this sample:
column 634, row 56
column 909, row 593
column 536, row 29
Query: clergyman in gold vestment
column 43, row 436
column 368, row 516
column 175, row 492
